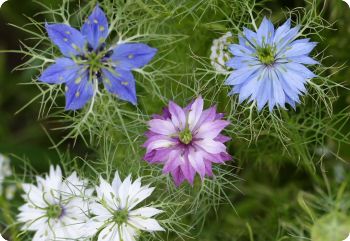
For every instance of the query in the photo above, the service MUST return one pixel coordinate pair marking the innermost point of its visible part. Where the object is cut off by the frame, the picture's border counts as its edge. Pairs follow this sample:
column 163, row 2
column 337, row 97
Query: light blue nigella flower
column 87, row 62
column 269, row 65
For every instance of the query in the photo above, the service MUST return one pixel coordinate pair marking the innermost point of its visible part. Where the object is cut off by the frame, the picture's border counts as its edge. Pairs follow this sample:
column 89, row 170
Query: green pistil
column 94, row 61
column 266, row 55
column 185, row 136
column 120, row 216
column 54, row 211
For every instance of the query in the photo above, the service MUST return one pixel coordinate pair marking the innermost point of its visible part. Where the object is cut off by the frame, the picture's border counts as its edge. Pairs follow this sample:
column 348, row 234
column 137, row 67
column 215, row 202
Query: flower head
column 269, row 65
column 55, row 209
column 87, row 61
column 116, row 218
column 220, row 54
column 187, row 140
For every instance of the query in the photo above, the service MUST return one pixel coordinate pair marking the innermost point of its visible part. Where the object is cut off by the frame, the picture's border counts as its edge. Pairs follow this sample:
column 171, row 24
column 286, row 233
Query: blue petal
column 242, row 75
column 249, row 88
column 266, row 32
column 292, row 103
column 78, row 92
column 239, row 50
column 303, row 60
column 132, row 55
column 282, row 31
column 278, row 92
column 301, row 70
column 241, row 62
column 286, row 39
column 250, row 36
column 69, row 40
column 291, row 76
column 64, row 70
column 298, row 49
column 95, row 29
column 263, row 93
column 244, row 42
column 120, row 82
column 289, row 89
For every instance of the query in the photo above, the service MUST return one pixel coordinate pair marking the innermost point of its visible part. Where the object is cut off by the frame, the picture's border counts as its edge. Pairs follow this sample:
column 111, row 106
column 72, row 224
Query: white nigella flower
column 116, row 219
column 5, row 170
column 56, row 209
column 220, row 53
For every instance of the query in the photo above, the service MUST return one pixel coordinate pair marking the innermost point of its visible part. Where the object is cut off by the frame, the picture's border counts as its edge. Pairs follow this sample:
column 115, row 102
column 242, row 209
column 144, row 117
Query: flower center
column 120, row 216
column 185, row 136
column 94, row 61
column 54, row 211
column 266, row 55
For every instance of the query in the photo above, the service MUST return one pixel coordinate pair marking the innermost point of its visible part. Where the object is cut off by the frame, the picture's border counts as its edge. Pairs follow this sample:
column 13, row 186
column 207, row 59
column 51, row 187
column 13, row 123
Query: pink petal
column 196, row 160
column 211, row 146
column 164, row 127
column 178, row 176
column 178, row 116
column 195, row 112
column 207, row 116
column 162, row 143
column 173, row 162
column 211, row 129
column 188, row 171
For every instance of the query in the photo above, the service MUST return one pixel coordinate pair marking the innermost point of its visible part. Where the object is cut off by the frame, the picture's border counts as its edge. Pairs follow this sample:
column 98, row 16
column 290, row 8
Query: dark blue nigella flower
column 269, row 65
column 87, row 61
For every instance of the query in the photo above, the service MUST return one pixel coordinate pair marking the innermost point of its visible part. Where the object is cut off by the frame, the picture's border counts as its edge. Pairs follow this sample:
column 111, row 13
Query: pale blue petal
column 64, row 70
column 121, row 83
column 95, row 29
column 78, row 93
column 69, row 40
column 132, row 55
column 282, row 31
column 239, row 50
column 241, row 75
column 265, row 32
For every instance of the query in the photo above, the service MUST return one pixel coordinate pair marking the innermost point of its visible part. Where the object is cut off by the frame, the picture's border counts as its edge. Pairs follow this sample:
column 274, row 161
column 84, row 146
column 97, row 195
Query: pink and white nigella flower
column 187, row 140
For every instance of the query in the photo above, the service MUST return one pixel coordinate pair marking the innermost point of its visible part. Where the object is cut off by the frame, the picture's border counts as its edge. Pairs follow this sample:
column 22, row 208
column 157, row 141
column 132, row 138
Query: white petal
column 128, row 233
column 108, row 233
column 124, row 192
column 106, row 192
column 116, row 182
column 147, row 224
column 145, row 212
column 144, row 193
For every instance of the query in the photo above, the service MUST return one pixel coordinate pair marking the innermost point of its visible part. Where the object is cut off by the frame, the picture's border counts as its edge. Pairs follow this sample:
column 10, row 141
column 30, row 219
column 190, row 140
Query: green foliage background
column 276, row 196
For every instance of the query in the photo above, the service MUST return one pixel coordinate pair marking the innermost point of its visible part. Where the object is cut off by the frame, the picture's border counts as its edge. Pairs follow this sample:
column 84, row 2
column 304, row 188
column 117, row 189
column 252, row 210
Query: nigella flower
column 116, row 218
column 55, row 209
column 187, row 140
column 87, row 61
column 269, row 65
column 220, row 53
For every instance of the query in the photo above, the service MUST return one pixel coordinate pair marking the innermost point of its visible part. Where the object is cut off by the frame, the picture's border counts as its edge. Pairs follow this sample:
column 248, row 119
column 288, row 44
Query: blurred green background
column 267, row 203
